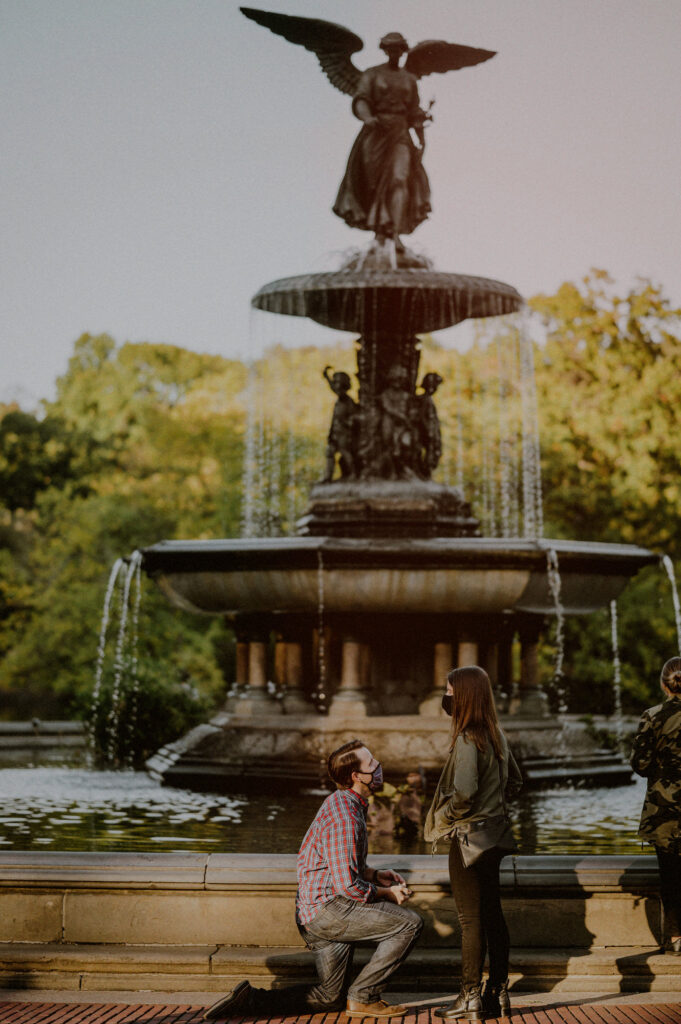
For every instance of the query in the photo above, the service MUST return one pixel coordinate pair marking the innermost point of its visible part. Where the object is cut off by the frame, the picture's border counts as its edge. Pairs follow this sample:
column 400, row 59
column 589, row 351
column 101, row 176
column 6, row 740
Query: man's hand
column 399, row 893
column 387, row 877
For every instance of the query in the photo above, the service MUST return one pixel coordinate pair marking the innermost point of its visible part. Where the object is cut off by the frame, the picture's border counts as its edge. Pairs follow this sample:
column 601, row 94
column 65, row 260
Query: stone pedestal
column 350, row 698
column 255, row 699
column 240, row 676
column 442, row 664
column 466, row 653
column 295, row 702
column 530, row 701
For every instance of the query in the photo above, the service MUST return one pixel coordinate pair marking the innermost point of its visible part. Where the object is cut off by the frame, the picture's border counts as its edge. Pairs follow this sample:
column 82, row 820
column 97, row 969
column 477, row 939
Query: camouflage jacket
column 656, row 756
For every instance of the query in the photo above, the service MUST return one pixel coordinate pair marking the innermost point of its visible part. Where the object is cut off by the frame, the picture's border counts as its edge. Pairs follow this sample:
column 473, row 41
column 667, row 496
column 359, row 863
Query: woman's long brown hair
column 473, row 712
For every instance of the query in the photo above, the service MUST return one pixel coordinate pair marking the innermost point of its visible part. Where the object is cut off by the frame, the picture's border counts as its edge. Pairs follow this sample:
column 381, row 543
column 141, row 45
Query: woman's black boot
column 467, row 1006
column 495, row 1000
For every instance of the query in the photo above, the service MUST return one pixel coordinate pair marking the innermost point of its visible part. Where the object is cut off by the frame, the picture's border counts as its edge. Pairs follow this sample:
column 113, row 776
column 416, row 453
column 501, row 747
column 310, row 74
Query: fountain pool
column 64, row 808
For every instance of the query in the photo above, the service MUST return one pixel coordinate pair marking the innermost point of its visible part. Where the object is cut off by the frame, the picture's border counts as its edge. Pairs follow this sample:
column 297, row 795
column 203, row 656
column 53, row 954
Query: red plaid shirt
column 333, row 855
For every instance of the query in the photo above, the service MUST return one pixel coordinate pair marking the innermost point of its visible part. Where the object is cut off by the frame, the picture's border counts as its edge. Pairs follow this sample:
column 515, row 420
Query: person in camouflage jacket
column 656, row 755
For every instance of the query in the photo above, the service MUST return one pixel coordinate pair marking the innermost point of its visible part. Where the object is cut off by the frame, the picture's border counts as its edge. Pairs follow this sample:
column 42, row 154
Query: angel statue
column 385, row 187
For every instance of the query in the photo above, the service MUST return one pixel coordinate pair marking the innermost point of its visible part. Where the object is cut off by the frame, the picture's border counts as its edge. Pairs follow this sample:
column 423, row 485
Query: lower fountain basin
column 463, row 574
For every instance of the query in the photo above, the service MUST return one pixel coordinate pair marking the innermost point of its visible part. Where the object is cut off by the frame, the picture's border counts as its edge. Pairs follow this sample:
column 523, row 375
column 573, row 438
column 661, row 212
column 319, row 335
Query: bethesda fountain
column 388, row 582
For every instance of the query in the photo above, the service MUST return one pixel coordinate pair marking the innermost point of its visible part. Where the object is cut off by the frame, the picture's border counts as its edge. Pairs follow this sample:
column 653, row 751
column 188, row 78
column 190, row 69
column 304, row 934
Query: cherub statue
column 341, row 433
column 428, row 426
column 385, row 188
column 395, row 403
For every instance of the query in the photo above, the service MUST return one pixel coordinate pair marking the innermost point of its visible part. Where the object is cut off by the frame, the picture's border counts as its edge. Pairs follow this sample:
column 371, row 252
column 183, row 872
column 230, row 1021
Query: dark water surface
column 59, row 808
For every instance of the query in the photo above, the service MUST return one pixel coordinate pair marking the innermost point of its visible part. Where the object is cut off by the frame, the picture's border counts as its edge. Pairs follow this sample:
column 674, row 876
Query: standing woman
column 657, row 757
column 479, row 768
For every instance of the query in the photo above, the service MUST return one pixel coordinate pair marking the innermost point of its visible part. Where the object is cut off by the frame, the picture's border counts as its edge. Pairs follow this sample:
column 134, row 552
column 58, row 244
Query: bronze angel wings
column 334, row 45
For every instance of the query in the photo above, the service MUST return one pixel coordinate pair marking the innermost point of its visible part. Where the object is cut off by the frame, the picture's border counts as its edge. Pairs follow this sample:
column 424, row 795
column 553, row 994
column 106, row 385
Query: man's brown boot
column 377, row 1009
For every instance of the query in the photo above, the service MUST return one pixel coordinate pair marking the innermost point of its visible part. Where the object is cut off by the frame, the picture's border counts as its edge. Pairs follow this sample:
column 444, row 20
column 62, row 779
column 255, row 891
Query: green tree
column 36, row 454
column 53, row 658
column 609, row 384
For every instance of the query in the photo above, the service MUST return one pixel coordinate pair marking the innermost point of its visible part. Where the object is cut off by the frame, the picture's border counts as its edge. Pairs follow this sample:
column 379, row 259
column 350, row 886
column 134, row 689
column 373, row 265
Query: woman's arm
column 459, row 791
column 642, row 758
column 514, row 782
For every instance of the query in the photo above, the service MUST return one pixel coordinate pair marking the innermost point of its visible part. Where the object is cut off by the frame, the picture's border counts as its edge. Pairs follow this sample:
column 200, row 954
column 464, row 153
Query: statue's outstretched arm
column 332, row 44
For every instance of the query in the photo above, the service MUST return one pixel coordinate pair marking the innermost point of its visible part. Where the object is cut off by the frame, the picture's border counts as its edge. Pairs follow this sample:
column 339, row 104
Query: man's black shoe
column 238, row 1000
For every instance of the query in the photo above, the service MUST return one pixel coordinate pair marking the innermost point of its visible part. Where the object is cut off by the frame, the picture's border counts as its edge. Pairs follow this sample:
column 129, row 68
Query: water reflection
column 75, row 809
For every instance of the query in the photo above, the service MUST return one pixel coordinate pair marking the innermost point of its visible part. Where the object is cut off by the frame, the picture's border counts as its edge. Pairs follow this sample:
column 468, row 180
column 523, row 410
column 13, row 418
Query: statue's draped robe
column 364, row 195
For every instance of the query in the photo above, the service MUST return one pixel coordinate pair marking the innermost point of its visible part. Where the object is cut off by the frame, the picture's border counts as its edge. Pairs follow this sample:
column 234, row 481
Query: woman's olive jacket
column 469, row 788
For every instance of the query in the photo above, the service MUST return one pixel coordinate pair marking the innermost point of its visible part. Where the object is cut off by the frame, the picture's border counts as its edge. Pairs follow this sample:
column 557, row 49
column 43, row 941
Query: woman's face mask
column 447, row 703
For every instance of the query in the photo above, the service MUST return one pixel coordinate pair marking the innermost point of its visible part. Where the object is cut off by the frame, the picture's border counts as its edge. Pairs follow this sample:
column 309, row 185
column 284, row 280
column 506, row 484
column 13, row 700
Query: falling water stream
column 669, row 567
column 617, row 674
column 127, row 575
column 101, row 647
column 506, row 444
column 553, row 574
column 321, row 647
column 533, row 516
column 249, row 468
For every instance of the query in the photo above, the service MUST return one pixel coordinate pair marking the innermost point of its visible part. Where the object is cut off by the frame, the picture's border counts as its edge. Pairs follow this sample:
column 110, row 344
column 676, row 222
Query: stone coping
column 37, row 869
column 38, row 727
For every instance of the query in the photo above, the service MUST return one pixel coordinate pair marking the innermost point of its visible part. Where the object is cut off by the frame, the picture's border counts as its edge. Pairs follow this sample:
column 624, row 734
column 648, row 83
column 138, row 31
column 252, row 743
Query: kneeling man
column 341, row 901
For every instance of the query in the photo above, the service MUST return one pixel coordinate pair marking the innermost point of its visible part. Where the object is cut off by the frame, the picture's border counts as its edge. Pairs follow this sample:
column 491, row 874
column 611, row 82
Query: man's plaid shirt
column 333, row 855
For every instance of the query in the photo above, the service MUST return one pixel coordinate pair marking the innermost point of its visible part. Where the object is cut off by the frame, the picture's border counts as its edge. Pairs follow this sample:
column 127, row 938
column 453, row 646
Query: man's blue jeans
column 340, row 924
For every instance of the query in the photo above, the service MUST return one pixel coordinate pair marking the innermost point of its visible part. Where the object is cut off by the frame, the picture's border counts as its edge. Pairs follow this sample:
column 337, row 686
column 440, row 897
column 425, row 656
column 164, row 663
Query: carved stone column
column 350, row 698
column 255, row 700
column 295, row 702
column 467, row 653
column 489, row 660
column 442, row 664
column 242, row 662
column 505, row 662
column 530, row 701
column 280, row 661
column 240, row 682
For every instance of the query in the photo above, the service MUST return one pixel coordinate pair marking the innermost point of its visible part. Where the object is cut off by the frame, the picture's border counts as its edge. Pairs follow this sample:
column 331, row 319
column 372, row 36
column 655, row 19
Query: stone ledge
column 207, row 968
column 103, row 870
column 244, row 900
column 232, row 870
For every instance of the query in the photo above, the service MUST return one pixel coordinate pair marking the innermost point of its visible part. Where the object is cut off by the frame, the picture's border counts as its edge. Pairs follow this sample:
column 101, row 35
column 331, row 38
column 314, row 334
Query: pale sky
column 162, row 159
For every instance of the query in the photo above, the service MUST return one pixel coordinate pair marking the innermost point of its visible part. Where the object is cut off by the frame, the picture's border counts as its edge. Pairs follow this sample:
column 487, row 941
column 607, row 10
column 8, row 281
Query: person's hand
column 399, row 893
column 388, row 877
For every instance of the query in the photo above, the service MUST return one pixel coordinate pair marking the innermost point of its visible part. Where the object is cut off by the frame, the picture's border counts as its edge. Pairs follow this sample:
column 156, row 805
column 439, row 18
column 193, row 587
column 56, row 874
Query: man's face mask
column 447, row 703
column 376, row 777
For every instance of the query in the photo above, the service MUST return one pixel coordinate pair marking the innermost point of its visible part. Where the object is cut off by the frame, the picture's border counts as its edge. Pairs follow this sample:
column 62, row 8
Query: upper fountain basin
column 408, row 300
column 453, row 575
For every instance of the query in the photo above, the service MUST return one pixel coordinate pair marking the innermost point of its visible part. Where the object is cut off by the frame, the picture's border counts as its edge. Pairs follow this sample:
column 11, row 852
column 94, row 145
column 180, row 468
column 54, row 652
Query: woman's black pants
column 477, row 895
column 670, row 890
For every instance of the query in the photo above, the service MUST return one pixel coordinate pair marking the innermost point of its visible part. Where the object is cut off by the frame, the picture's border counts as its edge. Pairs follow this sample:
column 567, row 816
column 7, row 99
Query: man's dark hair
column 343, row 762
